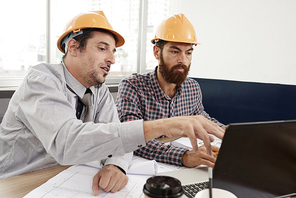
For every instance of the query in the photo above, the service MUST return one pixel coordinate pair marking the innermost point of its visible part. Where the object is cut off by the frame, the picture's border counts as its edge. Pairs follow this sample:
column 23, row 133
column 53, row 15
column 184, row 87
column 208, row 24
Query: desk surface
column 20, row 185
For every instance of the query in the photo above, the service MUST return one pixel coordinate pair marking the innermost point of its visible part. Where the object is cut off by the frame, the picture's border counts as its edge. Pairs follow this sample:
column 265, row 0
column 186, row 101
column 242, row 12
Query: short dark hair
column 87, row 34
column 160, row 44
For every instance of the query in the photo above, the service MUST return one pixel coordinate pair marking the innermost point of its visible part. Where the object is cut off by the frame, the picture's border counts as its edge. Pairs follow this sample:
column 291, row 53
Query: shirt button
column 109, row 156
column 139, row 146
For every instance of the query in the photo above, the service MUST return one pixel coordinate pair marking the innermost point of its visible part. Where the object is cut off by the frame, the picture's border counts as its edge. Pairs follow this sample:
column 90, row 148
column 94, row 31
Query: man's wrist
column 184, row 158
column 153, row 129
column 121, row 169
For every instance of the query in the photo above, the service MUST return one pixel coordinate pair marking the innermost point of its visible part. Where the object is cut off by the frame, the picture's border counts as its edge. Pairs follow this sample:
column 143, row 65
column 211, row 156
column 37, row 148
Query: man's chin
column 100, row 81
column 178, row 81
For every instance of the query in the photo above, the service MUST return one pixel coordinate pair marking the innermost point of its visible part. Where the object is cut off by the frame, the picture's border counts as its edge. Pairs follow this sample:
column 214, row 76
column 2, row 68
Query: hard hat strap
column 68, row 37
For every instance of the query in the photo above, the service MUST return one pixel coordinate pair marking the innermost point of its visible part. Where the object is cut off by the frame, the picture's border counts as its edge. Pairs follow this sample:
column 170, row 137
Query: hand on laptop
column 192, row 159
column 186, row 126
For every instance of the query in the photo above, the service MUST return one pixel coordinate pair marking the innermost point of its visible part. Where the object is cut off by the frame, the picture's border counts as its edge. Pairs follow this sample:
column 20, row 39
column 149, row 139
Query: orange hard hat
column 93, row 19
column 176, row 28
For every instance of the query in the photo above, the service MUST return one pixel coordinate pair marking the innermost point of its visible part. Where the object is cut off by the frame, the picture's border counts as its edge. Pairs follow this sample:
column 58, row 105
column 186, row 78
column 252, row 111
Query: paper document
column 139, row 166
column 185, row 142
column 76, row 181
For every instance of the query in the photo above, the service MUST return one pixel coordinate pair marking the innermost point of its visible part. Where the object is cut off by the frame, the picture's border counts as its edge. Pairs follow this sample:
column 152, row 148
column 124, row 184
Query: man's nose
column 110, row 58
column 182, row 58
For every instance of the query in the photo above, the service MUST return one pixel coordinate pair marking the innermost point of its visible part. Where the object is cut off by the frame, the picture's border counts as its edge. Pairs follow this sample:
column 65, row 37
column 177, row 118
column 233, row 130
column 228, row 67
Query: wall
column 251, row 40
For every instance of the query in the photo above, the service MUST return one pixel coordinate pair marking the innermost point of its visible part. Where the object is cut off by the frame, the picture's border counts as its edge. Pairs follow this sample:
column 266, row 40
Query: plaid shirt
column 141, row 97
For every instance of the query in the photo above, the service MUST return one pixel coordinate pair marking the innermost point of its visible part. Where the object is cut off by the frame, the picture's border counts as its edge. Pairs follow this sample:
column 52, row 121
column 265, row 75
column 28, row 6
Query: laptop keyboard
column 190, row 190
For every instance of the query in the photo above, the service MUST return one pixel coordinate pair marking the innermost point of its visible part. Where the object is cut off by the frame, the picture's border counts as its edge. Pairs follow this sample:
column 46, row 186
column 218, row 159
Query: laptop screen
column 257, row 159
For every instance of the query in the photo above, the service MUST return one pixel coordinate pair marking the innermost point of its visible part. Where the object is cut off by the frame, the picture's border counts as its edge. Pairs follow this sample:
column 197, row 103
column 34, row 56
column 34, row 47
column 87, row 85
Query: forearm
column 160, row 152
column 112, row 139
column 154, row 129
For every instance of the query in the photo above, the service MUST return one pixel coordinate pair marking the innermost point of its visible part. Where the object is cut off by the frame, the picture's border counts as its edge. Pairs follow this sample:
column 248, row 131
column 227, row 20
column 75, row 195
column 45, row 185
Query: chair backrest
column 4, row 101
column 235, row 101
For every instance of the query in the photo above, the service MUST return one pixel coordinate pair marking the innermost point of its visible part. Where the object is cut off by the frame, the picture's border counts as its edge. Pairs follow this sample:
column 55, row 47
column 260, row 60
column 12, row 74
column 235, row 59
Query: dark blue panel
column 234, row 101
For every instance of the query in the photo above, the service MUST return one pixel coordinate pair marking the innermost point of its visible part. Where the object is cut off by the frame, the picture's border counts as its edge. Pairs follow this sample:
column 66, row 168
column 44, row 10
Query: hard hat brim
column 120, row 39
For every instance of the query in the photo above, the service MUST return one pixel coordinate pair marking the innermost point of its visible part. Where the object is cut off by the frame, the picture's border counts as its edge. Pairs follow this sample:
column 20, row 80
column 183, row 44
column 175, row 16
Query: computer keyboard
column 190, row 190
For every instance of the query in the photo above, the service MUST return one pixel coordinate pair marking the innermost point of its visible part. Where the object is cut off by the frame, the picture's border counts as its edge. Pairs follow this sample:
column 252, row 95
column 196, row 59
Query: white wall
column 244, row 40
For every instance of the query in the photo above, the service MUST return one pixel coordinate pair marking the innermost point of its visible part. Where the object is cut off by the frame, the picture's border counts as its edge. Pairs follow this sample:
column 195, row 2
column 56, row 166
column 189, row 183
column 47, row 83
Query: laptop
column 258, row 160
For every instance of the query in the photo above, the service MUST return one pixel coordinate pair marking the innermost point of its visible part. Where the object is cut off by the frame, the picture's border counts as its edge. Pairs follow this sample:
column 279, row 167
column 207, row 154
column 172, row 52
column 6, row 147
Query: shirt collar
column 73, row 84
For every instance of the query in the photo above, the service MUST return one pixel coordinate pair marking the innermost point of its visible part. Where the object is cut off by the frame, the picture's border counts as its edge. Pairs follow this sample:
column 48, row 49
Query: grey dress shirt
column 40, row 128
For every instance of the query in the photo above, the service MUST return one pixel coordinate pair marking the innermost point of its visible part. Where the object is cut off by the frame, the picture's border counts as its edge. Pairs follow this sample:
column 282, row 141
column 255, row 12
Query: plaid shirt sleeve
column 161, row 152
column 130, row 104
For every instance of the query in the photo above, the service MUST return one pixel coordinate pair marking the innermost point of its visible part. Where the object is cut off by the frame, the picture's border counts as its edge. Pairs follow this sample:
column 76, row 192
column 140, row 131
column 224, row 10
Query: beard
column 172, row 75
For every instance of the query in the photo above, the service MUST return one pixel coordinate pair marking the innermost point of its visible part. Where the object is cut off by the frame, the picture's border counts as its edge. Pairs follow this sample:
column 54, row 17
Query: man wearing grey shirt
column 42, row 126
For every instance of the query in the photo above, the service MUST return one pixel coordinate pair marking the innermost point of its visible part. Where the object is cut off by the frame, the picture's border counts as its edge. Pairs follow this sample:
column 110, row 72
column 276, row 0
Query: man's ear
column 72, row 47
column 156, row 52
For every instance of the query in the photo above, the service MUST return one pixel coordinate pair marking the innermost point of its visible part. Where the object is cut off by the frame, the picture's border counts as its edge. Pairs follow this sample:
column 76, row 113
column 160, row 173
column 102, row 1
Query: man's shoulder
column 190, row 86
column 47, row 66
column 191, row 82
column 139, row 83
column 48, row 69
column 46, row 72
column 137, row 79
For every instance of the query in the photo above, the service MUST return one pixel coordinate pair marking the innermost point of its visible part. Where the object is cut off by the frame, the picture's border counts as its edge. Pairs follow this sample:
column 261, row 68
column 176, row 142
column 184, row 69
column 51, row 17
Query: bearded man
column 167, row 92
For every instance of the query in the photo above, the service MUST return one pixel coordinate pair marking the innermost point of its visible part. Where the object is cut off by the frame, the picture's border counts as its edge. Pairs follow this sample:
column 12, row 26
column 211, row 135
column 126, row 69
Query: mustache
column 179, row 66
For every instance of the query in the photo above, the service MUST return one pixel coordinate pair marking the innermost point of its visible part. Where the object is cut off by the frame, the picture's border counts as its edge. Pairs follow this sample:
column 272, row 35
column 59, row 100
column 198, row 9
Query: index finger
column 95, row 185
column 193, row 141
column 210, row 126
column 216, row 130
column 202, row 134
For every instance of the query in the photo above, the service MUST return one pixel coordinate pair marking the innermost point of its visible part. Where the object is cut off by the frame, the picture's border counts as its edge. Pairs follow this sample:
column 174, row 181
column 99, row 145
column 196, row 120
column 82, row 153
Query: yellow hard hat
column 93, row 19
column 176, row 28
